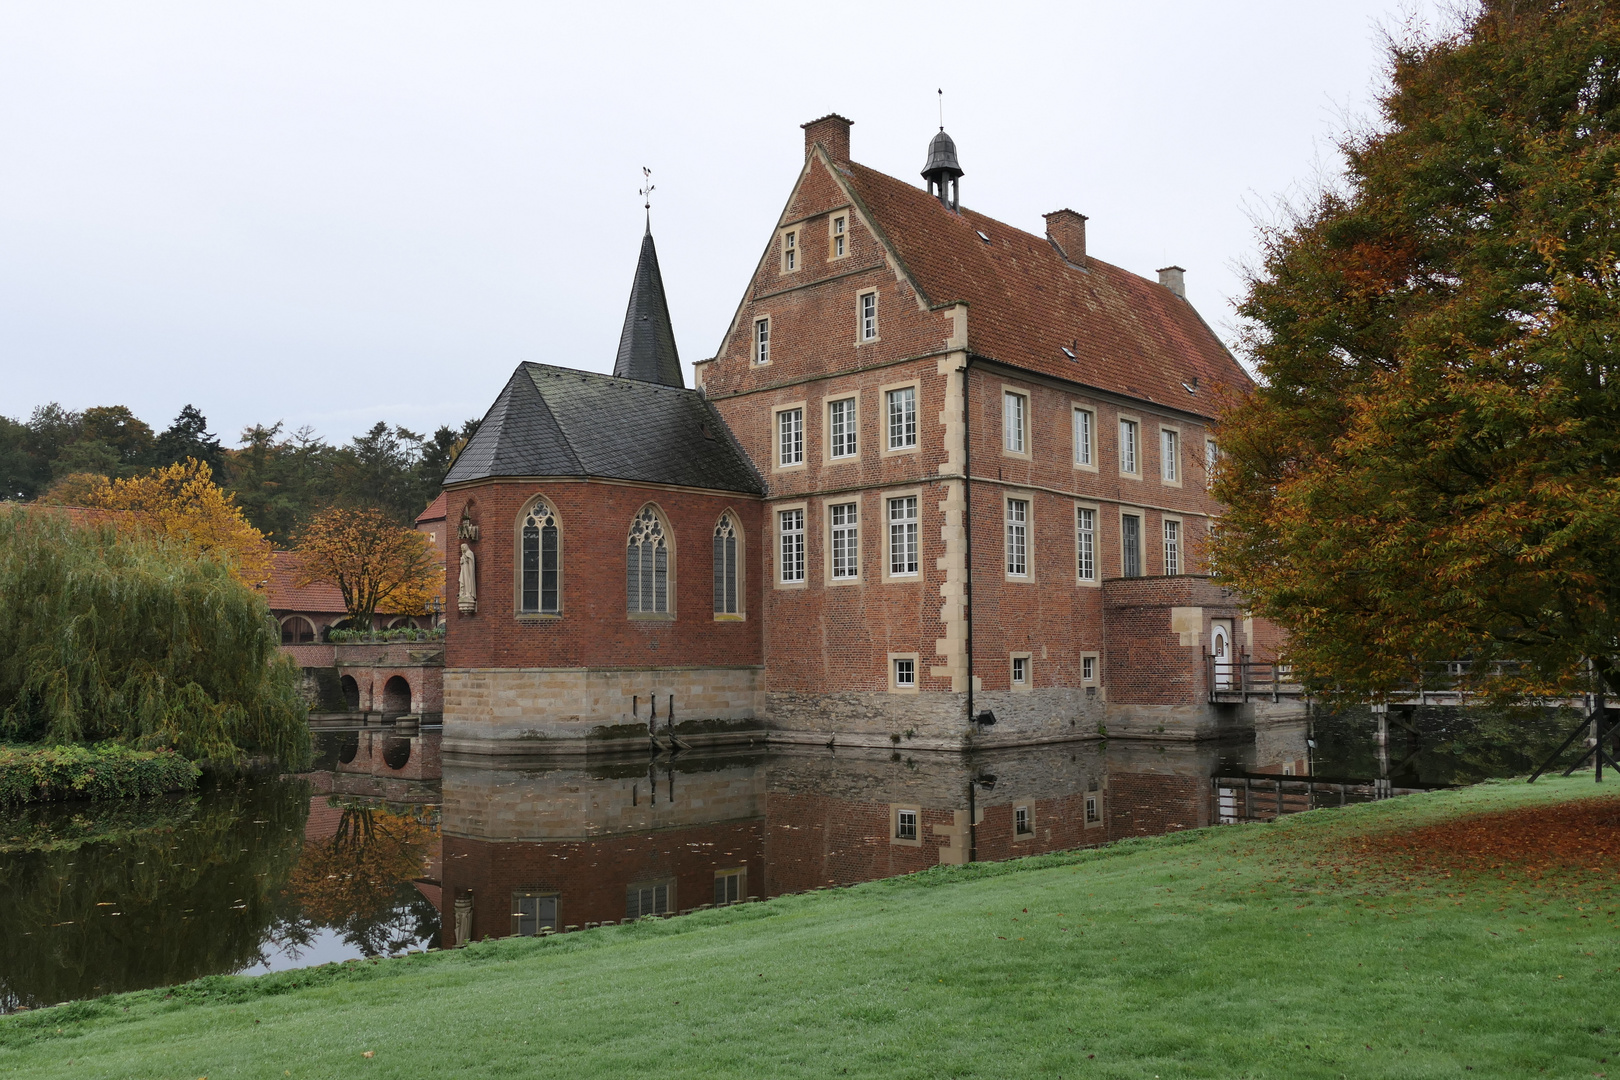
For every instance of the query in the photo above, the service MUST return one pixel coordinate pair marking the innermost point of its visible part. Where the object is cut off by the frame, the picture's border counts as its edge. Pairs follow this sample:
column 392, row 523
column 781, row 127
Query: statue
column 464, row 913
column 468, row 581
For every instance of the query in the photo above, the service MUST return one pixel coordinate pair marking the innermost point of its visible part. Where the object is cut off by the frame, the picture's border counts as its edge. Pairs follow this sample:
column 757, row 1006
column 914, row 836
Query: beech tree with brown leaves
column 1430, row 468
column 372, row 561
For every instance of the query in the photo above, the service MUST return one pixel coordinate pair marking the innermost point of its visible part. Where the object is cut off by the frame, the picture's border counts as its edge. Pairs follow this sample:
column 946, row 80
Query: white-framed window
column 903, row 560
column 790, row 252
column 902, row 410
column 1212, row 458
column 762, row 341
column 1023, row 821
column 905, row 824
column 647, row 565
column 1169, row 455
column 790, row 437
column 727, row 552
column 1128, row 445
column 1014, row 422
column 540, row 581
column 1020, row 671
column 1172, row 547
column 1088, row 669
column 841, row 428
column 840, row 231
column 1092, row 817
column 844, row 525
column 1018, row 537
column 790, row 527
column 868, row 309
column 1085, row 543
column 730, row 886
column 1130, row 545
column 1085, row 422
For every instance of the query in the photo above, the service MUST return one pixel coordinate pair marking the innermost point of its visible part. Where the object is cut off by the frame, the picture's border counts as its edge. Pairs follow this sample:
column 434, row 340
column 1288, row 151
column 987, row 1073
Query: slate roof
column 555, row 421
column 647, row 342
column 1026, row 303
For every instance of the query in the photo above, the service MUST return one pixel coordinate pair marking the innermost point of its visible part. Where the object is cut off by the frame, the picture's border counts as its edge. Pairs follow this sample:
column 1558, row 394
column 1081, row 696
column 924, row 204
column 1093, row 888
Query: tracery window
column 540, row 561
column 647, row 565
column 726, row 551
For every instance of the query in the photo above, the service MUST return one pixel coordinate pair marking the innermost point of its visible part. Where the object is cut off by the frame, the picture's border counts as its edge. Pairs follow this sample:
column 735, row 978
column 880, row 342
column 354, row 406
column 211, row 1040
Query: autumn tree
column 182, row 502
column 1430, row 467
column 372, row 560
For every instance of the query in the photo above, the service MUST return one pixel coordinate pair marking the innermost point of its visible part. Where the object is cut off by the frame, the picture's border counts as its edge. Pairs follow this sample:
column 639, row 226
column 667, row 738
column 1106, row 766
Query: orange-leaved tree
column 372, row 560
column 182, row 502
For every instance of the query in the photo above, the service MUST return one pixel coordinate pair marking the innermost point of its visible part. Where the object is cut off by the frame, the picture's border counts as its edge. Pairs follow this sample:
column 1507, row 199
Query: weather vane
column 646, row 193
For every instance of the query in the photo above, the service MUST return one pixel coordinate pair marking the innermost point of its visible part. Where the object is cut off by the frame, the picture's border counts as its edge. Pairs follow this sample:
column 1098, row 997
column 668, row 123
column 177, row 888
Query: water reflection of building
column 583, row 842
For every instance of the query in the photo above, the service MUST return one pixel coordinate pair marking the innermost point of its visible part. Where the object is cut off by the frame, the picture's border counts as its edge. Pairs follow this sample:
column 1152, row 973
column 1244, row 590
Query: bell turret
column 943, row 172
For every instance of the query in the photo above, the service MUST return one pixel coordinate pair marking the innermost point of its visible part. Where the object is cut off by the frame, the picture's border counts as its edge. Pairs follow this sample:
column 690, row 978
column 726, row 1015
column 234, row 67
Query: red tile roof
column 1026, row 304
column 285, row 595
column 436, row 509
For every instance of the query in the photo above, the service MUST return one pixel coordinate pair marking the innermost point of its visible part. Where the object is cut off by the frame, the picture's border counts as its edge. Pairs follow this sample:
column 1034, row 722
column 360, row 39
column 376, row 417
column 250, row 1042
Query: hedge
column 103, row 771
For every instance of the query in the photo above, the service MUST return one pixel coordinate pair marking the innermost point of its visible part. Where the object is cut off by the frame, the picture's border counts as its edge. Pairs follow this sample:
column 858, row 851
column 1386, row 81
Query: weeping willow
column 110, row 636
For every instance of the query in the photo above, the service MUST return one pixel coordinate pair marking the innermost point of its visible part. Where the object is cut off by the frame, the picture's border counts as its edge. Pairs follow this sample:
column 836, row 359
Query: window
column 840, row 227
column 903, row 536
column 647, row 565
column 1091, row 810
column 649, row 898
column 1212, row 458
column 725, row 567
column 841, row 428
column 762, row 341
column 1127, row 446
column 1088, row 669
column 1130, row 544
column 905, row 672
column 539, row 588
column 792, row 534
column 1018, row 537
column 297, row 631
column 1084, row 420
column 869, row 316
column 1170, row 456
column 846, row 541
column 533, row 912
column 1085, row 543
column 902, row 418
column 730, row 886
column 790, row 437
column 1013, row 416
column 1022, row 825
column 1172, row 547
column 905, row 824
column 790, row 252
column 1020, row 670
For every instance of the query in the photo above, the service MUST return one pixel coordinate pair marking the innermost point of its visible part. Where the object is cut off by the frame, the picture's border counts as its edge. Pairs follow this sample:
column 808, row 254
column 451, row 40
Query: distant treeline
column 280, row 479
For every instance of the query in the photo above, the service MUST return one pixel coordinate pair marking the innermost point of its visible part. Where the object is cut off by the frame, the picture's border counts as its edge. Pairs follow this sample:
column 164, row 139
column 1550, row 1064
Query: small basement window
column 905, row 825
column 1022, row 825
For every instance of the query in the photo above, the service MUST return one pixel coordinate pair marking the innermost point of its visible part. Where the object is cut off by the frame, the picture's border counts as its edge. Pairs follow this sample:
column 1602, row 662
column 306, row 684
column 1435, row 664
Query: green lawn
column 1229, row 952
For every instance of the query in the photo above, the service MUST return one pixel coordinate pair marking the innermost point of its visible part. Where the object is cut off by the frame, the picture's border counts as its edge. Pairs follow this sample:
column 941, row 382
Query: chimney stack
column 1174, row 279
column 1067, row 231
column 832, row 132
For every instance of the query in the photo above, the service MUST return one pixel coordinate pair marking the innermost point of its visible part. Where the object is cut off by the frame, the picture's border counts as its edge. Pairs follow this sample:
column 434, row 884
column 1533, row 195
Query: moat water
column 382, row 848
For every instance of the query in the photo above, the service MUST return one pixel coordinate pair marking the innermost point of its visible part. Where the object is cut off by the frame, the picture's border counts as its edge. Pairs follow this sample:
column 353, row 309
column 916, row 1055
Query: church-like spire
column 647, row 343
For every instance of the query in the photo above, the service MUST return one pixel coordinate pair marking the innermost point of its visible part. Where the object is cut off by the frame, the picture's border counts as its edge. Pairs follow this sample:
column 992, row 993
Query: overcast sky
column 337, row 213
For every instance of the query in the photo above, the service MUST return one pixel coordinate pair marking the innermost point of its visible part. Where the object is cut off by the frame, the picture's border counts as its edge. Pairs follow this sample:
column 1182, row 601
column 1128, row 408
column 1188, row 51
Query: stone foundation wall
column 496, row 709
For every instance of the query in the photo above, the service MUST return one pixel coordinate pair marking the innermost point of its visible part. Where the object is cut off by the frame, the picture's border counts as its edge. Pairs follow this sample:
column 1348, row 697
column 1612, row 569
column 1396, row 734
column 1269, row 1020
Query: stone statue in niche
column 467, row 580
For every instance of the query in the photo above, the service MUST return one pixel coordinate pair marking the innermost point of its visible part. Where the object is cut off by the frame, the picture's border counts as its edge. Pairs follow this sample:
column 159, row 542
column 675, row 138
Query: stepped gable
column 1026, row 304
column 562, row 422
column 647, row 342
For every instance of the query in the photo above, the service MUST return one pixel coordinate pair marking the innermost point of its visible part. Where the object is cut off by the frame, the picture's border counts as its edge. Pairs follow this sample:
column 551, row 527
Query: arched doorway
column 1220, row 647
column 396, row 697
column 351, row 693
column 297, row 630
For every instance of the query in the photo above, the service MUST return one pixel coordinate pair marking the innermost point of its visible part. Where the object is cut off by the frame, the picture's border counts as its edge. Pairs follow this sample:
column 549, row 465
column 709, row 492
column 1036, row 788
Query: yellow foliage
column 373, row 561
column 182, row 502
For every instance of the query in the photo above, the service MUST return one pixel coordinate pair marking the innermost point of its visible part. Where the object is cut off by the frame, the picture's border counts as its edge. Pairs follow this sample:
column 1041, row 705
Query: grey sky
column 335, row 213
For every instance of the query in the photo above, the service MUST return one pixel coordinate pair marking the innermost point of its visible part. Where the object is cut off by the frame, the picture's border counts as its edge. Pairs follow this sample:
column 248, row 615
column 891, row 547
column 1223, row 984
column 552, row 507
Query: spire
column 647, row 343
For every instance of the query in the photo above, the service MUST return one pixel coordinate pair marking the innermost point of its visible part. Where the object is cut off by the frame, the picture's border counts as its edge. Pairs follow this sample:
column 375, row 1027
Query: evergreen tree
column 188, row 437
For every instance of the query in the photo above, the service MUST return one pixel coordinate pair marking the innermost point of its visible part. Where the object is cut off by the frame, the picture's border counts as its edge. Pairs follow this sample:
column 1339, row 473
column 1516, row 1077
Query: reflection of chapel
column 938, row 468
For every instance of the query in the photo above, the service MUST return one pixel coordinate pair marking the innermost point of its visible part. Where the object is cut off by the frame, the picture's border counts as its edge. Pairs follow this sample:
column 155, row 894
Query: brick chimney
column 832, row 132
column 1174, row 278
column 1067, row 231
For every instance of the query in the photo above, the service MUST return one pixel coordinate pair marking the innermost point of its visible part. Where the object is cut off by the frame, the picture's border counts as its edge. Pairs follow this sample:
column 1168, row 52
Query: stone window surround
column 670, row 563
column 741, row 614
column 1095, row 580
column 826, row 429
column 1095, row 800
column 776, row 438
column 832, row 233
column 783, row 247
column 1029, row 672
column 1074, row 449
column 860, row 318
column 883, row 420
column 894, row 825
column 1181, row 455
column 1029, row 819
column 827, row 503
column 1141, row 537
column 1119, row 420
column 916, row 672
column 776, row 544
column 753, row 341
column 1096, row 668
column 1028, row 499
column 1181, row 542
column 517, row 562
column 885, row 497
column 1028, row 453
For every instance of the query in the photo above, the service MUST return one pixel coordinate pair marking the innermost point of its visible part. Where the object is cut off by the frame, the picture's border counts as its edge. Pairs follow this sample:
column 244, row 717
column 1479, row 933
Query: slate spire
column 647, row 343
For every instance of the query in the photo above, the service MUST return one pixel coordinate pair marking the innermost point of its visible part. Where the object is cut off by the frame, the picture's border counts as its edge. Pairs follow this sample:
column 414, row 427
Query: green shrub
column 402, row 633
column 105, row 771
column 109, row 636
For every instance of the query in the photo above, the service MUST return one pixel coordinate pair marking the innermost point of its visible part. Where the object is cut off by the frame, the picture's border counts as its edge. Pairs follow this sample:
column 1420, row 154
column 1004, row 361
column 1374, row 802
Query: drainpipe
column 967, row 588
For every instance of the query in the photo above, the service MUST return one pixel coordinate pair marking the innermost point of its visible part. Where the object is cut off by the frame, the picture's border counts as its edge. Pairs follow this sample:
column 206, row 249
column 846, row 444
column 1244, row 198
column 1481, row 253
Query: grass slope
column 1233, row 952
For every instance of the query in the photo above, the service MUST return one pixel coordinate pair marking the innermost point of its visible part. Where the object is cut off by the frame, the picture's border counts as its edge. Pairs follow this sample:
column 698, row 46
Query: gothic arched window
column 726, row 551
column 540, row 561
column 647, row 565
